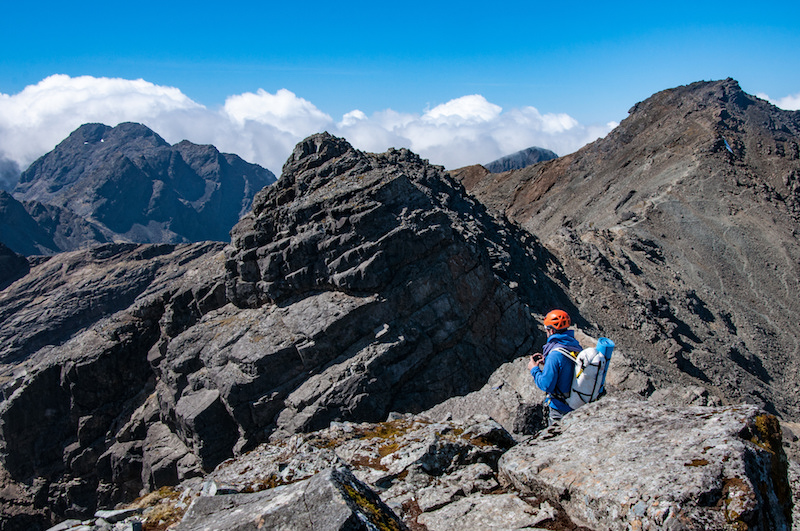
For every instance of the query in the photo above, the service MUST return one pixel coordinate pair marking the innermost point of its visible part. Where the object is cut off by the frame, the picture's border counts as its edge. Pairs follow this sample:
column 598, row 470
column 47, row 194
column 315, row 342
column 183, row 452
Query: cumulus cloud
column 465, row 109
column 35, row 120
column 788, row 103
column 282, row 110
column 263, row 128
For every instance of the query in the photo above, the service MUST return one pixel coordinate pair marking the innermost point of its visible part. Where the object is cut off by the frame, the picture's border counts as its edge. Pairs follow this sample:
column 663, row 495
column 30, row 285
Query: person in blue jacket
column 553, row 373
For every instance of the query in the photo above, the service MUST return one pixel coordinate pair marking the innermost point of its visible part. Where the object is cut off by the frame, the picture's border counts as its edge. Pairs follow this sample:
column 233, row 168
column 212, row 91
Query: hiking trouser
column 554, row 416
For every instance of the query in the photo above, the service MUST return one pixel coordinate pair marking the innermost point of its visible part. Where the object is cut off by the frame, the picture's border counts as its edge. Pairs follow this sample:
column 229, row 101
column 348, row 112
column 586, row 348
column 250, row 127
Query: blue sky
column 589, row 62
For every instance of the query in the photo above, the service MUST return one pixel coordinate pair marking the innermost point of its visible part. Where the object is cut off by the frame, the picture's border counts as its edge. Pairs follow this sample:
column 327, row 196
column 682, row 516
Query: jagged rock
column 330, row 500
column 400, row 459
column 126, row 182
column 166, row 459
column 520, row 159
column 676, row 235
column 73, row 379
column 630, row 464
column 361, row 284
column 72, row 291
column 407, row 292
column 204, row 422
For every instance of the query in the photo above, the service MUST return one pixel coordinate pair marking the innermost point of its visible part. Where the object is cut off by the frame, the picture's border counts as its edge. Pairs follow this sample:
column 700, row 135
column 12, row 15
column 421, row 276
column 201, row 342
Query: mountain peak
column 134, row 185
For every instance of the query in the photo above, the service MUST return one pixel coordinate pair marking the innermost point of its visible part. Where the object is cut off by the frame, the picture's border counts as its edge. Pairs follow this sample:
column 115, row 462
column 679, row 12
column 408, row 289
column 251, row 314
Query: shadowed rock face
column 12, row 266
column 678, row 237
column 74, row 339
column 127, row 183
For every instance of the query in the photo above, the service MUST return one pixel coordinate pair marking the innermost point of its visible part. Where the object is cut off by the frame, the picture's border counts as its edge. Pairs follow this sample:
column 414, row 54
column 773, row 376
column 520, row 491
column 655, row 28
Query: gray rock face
column 413, row 462
column 361, row 284
column 74, row 340
column 127, row 183
column 333, row 500
column 677, row 234
column 520, row 159
column 72, row 291
column 623, row 465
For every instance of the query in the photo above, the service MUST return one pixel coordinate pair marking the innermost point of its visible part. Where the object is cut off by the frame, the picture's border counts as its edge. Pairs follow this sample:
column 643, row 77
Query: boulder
column 331, row 500
column 490, row 512
column 621, row 464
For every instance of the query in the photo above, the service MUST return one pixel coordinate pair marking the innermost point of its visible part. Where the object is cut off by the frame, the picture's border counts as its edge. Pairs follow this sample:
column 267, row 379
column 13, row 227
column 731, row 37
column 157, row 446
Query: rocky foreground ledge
column 616, row 464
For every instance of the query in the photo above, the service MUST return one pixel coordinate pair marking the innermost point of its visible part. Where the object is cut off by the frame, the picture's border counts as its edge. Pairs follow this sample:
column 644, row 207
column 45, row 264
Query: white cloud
column 788, row 103
column 35, row 120
column 465, row 109
column 282, row 110
column 264, row 128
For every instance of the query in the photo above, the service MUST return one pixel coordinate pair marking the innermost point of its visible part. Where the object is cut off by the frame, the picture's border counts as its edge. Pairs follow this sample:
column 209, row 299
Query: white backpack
column 591, row 366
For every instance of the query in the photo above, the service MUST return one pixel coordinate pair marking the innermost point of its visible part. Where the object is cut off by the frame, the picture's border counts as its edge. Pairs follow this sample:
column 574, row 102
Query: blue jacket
column 558, row 370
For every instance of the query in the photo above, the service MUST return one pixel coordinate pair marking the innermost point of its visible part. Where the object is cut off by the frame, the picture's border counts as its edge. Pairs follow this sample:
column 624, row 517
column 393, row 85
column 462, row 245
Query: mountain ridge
column 362, row 287
column 678, row 234
column 128, row 184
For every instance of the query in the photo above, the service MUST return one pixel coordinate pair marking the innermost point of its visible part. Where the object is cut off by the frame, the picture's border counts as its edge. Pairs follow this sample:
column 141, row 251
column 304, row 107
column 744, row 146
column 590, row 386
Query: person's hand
column 536, row 359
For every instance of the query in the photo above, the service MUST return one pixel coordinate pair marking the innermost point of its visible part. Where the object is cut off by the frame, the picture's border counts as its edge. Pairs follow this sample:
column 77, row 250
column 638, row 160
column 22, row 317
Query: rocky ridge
column 360, row 284
column 678, row 236
column 724, row 467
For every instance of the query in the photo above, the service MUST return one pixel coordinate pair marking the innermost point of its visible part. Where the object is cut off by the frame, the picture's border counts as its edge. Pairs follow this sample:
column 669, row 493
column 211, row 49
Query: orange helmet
column 558, row 319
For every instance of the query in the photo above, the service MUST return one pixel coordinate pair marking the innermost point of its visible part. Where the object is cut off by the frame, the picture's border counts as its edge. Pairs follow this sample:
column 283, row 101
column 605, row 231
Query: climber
column 554, row 374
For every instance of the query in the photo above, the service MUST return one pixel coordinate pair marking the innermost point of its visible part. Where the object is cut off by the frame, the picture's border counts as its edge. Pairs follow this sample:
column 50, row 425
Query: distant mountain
column 33, row 228
column 677, row 234
column 520, row 159
column 129, row 184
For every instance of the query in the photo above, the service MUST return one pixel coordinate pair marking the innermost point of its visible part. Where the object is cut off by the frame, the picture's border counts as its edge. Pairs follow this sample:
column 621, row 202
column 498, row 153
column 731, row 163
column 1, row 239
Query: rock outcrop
column 332, row 500
column 126, row 183
column 360, row 284
column 617, row 464
column 631, row 465
column 677, row 233
column 74, row 338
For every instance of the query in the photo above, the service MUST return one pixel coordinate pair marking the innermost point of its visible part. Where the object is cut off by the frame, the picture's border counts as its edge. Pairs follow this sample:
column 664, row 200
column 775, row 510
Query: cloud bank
column 788, row 103
column 263, row 128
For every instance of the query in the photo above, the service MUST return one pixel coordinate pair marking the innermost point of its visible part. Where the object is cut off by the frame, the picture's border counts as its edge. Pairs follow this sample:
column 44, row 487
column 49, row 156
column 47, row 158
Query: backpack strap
column 573, row 357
